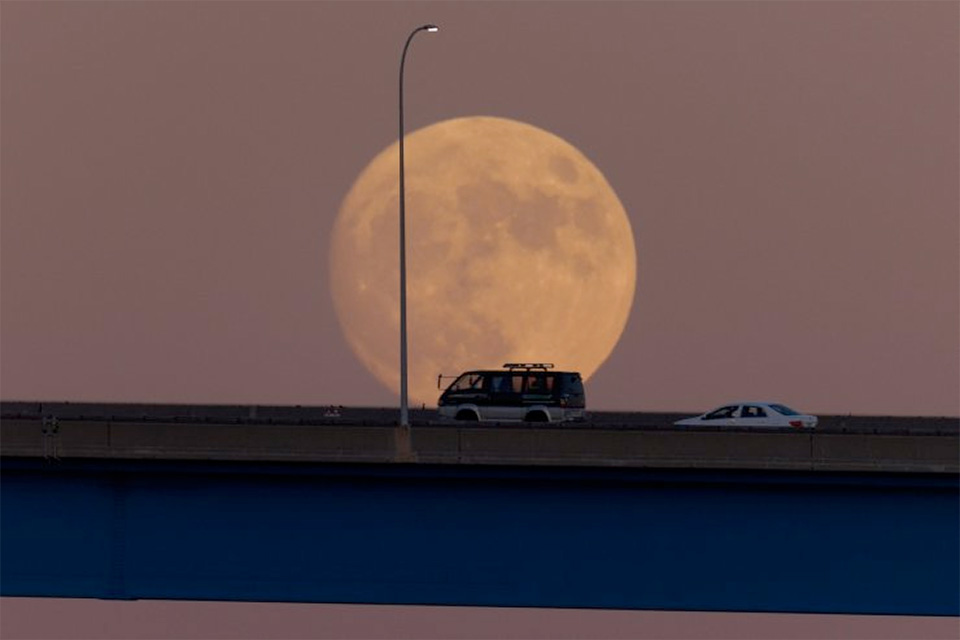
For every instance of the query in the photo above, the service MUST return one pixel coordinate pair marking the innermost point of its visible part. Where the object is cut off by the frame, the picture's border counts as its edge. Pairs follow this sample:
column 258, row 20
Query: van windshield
column 468, row 382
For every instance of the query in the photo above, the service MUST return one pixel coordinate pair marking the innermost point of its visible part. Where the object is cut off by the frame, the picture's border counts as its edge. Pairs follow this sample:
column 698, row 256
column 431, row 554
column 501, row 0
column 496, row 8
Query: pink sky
column 34, row 619
column 171, row 173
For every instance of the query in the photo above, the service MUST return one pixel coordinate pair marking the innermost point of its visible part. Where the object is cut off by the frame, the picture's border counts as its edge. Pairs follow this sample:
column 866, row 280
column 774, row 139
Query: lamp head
column 432, row 28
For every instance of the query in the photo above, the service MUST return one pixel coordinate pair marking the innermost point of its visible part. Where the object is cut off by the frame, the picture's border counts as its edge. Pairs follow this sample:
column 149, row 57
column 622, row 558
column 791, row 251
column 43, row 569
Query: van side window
column 540, row 383
column 534, row 384
column 501, row 384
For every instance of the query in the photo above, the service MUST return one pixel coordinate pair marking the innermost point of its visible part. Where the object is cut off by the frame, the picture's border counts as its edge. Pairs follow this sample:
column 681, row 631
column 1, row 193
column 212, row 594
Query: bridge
column 338, row 504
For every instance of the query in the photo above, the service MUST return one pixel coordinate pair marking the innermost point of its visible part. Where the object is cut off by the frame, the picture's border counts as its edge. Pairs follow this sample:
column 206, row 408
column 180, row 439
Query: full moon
column 518, row 250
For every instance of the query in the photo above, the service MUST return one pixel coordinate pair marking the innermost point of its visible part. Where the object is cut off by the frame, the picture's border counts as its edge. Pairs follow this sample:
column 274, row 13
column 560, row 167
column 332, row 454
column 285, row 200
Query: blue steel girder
column 613, row 538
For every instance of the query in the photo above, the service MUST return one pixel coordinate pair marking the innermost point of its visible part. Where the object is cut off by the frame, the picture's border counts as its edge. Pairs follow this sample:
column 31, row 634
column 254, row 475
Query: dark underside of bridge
column 123, row 507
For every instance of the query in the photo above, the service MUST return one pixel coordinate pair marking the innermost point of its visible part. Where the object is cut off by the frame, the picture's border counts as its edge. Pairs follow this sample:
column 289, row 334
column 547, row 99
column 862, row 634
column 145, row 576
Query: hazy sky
column 171, row 173
column 166, row 620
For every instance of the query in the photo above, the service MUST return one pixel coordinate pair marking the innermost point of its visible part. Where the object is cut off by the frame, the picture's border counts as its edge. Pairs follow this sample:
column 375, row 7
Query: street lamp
column 404, row 409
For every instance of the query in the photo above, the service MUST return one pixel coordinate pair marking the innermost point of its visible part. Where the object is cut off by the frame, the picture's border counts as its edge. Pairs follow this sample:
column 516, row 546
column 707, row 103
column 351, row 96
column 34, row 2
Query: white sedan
column 752, row 414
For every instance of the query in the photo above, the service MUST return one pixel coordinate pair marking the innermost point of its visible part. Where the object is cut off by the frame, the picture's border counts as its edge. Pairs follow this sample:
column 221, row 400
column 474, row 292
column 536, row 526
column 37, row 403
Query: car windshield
column 787, row 411
column 721, row 413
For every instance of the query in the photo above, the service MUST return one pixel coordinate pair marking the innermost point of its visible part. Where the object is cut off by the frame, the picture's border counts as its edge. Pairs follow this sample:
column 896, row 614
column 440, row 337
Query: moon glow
column 518, row 250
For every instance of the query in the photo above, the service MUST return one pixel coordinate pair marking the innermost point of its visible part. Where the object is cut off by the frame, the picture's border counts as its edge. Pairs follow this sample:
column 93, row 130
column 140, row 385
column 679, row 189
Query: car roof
column 758, row 403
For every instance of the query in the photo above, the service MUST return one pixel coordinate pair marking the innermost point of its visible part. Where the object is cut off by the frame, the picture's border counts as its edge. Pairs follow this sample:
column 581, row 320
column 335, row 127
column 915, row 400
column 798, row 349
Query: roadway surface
column 381, row 417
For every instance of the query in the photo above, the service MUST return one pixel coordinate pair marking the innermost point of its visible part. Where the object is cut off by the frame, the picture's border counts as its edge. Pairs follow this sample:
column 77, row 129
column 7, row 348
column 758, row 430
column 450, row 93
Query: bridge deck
column 329, row 434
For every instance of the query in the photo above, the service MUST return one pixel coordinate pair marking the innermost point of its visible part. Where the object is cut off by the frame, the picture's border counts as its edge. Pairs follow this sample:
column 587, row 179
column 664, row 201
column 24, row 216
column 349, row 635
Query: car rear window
column 787, row 411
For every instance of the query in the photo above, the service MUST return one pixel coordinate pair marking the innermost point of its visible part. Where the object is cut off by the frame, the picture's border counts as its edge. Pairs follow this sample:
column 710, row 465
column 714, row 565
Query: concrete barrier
column 520, row 445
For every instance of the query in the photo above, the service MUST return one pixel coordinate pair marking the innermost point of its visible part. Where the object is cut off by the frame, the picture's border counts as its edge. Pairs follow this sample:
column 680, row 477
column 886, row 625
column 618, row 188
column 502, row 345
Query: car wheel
column 536, row 416
column 467, row 415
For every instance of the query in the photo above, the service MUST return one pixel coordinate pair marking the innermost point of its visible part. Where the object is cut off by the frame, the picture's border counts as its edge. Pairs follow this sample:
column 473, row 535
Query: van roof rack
column 527, row 366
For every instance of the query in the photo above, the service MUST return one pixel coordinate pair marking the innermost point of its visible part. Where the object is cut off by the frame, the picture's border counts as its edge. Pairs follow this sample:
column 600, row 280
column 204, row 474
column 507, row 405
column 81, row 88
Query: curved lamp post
column 404, row 409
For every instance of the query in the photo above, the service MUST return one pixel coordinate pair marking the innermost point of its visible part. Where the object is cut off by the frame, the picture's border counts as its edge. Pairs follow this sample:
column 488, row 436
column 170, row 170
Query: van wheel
column 536, row 416
column 467, row 415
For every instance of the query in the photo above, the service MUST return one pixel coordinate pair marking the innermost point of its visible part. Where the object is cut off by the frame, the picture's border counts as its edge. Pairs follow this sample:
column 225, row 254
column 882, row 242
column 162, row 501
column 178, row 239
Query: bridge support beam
column 433, row 534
